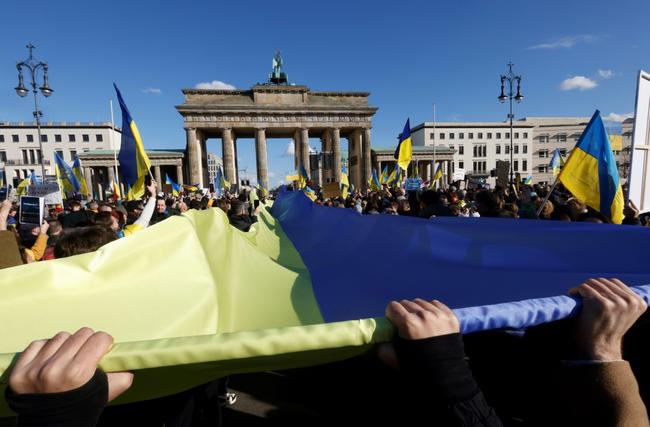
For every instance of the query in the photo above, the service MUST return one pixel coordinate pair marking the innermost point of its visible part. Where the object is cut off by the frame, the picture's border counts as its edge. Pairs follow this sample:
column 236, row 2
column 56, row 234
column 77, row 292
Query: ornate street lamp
column 31, row 65
column 510, row 78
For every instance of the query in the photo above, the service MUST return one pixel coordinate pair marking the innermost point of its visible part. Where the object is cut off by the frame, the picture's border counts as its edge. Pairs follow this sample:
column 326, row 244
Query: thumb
column 118, row 383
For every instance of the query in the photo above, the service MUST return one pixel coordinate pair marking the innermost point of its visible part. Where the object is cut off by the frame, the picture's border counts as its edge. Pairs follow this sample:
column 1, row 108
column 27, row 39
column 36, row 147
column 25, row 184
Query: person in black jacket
column 238, row 216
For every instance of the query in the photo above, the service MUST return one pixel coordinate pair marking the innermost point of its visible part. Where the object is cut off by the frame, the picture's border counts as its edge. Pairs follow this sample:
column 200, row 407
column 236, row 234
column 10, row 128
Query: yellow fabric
column 21, row 190
column 616, row 142
column 405, row 153
column 142, row 159
column 580, row 176
column 182, row 323
column 132, row 228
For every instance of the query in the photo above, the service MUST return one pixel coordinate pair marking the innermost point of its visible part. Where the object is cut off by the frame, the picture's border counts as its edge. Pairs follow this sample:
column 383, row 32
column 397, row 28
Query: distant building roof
column 442, row 149
column 150, row 153
column 59, row 125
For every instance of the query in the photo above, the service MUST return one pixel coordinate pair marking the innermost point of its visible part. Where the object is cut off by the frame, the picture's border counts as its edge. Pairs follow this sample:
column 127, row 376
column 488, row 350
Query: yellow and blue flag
column 591, row 174
column 76, row 170
column 556, row 162
column 134, row 162
column 404, row 150
column 303, row 176
column 383, row 177
column 65, row 175
column 375, row 185
column 309, row 193
column 436, row 176
column 220, row 182
column 176, row 188
column 2, row 178
column 345, row 183
column 528, row 180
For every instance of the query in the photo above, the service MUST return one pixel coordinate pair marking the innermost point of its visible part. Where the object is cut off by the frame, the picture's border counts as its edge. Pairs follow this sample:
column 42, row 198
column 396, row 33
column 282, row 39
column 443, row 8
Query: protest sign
column 639, row 185
column 413, row 184
column 31, row 210
column 458, row 175
column 331, row 190
column 49, row 191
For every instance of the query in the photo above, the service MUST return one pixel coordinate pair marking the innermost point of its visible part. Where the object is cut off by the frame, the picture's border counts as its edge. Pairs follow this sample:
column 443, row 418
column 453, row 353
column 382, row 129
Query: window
column 516, row 135
column 524, row 149
column 516, row 165
column 57, row 138
column 43, row 138
column 542, row 169
column 14, row 138
column 507, row 149
column 489, row 135
column 442, row 135
column 507, row 135
column 39, row 157
column 498, row 149
column 3, row 156
column 99, row 137
column 461, row 135
column 431, row 136
column 525, row 135
column 73, row 154
column 451, row 135
column 480, row 135
column 461, row 149
column 30, row 138
column 563, row 151
column 2, row 138
column 25, row 157
column 451, row 146
column 516, row 149
column 543, row 138
column 480, row 150
column 498, row 135
column 470, row 135
column 85, row 137
column 461, row 165
column 561, row 137
column 524, row 165
column 543, row 154
column 71, row 138
column 60, row 153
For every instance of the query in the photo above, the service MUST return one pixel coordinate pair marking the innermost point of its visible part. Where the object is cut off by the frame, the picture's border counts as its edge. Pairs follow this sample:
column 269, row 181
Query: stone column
column 367, row 157
column 354, row 159
column 326, row 149
column 156, row 174
column 297, row 149
column 450, row 172
column 193, row 157
column 260, row 153
column 237, row 182
column 336, row 155
column 111, row 176
column 179, row 174
column 88, row 176
column 228, row 150
column 304, row 145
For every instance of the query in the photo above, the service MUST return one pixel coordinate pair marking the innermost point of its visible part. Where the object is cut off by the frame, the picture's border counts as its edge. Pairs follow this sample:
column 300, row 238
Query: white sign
column 639, row 181
column 49, row 191
column 458, row 175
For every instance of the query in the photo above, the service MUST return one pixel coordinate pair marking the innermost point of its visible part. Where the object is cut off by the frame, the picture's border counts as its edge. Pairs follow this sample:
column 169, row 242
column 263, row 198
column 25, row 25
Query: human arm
column 56, row 382
column 147, row 212
column 431, row 356
column 599, row 387
column 38, row 248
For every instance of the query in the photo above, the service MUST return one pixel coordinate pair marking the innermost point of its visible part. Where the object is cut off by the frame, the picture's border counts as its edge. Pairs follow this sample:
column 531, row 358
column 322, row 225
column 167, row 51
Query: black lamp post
column 511, row 78
column 31, row 65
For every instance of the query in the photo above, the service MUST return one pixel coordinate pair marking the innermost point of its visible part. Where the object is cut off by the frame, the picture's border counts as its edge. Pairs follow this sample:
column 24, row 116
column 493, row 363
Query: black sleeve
column 80, row 407
column 436, row 369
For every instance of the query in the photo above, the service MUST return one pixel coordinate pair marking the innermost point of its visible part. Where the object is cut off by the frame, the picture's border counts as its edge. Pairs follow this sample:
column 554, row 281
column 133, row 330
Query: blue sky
column 574, row 56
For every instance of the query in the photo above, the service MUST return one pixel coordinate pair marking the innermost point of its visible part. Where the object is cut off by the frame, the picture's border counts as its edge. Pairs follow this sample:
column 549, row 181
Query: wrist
column 605, row 353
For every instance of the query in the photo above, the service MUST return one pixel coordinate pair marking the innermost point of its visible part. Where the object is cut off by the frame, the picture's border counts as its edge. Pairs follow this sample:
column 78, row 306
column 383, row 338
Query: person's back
column 239, row 217
column 77, row 217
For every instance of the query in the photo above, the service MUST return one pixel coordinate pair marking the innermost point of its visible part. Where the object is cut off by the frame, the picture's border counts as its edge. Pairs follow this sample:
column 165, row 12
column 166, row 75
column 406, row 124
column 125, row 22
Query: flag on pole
column 220, row 182
column 2, row 178
column 383, row 177
column 76, row 170
column 590, row 173
column 134, row 163
column 436, row 177
column 556, row 162
column 404, row 150
column 375, row 185
column 310, row 193
column 65, row 175
column 528, row 180
column 21, row 190
column 303, row 176
column 345, row 183
column 176, row 189
column 117, row 193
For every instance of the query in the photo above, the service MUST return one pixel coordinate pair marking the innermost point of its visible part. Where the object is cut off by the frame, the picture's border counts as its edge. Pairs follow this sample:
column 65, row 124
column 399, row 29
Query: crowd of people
column 56, row 381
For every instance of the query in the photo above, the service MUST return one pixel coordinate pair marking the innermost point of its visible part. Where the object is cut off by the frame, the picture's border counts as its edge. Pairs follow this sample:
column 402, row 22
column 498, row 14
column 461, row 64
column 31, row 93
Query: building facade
column 20, row 153
column 214, row 162
column 478, row 145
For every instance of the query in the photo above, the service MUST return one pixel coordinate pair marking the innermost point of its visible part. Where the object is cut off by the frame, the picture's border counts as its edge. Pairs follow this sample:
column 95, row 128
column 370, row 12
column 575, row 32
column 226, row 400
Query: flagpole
column 433, row 167
column 117, row 174
column 541, row 207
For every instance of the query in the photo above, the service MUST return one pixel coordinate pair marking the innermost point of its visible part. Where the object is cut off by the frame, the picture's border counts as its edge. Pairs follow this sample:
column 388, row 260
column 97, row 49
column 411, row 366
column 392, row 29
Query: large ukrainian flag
column 590, row 172
column 134, row 163
column 67, row 179
column 404, row 150
column 303, row 302
column 76, row 170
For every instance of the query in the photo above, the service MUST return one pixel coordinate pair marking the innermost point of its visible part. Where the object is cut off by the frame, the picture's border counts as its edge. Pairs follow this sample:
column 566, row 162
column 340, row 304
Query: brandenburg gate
column 278, row 110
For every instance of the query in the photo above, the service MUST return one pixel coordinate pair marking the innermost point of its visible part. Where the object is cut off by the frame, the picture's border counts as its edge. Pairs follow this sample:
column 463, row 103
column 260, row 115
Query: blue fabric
column 128, row 150
column 493, row 272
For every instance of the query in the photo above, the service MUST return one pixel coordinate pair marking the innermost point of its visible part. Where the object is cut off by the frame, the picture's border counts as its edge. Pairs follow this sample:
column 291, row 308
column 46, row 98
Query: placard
column 639, row 182
column 331, row 190
column 413, row 184
column 458, row 175
column 31, row 210
column 49, row 191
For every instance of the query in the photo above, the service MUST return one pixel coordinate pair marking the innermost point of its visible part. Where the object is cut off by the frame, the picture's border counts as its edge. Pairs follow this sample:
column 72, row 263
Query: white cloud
column 312, row 150
column 271, row 174
column 152, row 90
column 613, row 117
column 290, row 151
column 605, row 74
column 578, row 82
column 565, row 42
column 215, row 84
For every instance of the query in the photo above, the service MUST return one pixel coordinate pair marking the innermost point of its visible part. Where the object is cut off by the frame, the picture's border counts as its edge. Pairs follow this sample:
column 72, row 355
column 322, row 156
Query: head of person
column 55, row 228
column 182, row 207
column 237, row 207
column 74, row 205
column 488, row 203
column 161, row 206
column 195, row 204
column 547, row 210
column 106, row 219
column 105, row 207
column 93, row 206
column 82, row 240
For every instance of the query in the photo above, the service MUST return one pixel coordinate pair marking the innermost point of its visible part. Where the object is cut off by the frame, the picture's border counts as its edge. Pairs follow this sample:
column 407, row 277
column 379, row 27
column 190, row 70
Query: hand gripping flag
column 590, row 173
column 134, row 162
column 312, row 307
column 404, row 150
